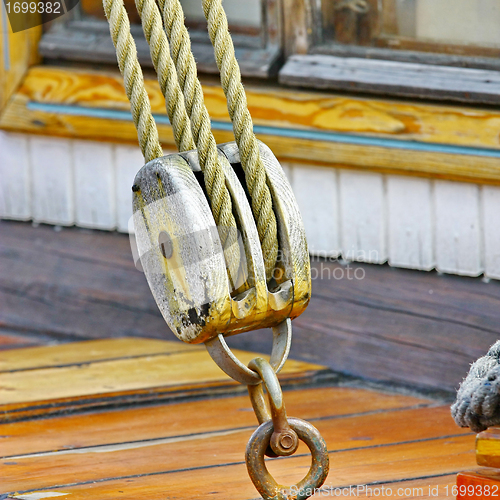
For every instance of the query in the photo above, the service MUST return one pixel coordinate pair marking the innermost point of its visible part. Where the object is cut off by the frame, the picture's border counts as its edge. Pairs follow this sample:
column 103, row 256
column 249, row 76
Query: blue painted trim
column 312, row 135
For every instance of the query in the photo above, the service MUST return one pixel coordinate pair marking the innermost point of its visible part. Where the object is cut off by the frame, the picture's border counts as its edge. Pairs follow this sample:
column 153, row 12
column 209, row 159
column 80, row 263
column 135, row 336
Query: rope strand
column 126, row 54
column 180, row 45
column 178, row 79
column 251, row 161
column 167, row 75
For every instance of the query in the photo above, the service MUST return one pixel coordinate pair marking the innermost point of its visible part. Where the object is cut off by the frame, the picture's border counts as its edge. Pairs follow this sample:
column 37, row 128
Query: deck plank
column 83, row 284
column 376, row 447
column 87, row 352
column 356, row 467
column 229, row 482
column 112, row 427
column 163, row 373
column 195, row 449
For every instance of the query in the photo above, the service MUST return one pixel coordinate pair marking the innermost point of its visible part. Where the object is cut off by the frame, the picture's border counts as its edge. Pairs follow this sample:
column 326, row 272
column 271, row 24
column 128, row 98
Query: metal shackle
column 262, row 479
column 182, row 257
column 284, row 440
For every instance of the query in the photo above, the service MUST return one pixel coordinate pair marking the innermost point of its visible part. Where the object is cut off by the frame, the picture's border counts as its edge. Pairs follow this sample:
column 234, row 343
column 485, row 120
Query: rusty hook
column 284, row 440
column 265, row 483
column 279, row 436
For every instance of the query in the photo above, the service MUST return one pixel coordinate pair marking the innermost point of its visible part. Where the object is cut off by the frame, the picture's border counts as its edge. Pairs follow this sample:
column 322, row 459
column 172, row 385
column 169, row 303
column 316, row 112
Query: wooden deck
column 98, row 400
column 141, row 419
column 418, row 329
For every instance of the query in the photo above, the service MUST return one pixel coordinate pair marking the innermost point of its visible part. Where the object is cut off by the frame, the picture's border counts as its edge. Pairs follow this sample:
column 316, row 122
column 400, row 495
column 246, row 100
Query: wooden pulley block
column 182, row 256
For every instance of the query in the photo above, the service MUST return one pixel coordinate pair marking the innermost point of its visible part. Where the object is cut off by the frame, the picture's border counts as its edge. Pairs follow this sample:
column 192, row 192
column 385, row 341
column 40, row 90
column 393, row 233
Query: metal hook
column 230, row 364
column 277, row 435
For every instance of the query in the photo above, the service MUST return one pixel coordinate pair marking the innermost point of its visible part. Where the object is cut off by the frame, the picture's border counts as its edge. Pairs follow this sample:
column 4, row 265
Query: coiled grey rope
column 478, row 399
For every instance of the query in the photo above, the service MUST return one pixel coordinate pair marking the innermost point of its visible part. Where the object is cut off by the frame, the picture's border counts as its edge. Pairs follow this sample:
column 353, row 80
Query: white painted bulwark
column 410, row 222
column 15, row 183
column 52, row 185
column 95, row 199
column 491, row 229
column 458, row 228
column 363, row 216
column 316, row 191
column 129, row 161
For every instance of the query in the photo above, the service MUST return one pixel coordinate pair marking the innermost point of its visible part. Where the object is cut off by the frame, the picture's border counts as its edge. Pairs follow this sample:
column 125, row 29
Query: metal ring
column 230, row 364
column 265, row 483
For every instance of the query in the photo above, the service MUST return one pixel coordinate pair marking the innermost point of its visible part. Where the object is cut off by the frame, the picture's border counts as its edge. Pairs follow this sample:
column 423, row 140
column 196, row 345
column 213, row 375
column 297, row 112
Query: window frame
column 87, row 40
column 304, row 43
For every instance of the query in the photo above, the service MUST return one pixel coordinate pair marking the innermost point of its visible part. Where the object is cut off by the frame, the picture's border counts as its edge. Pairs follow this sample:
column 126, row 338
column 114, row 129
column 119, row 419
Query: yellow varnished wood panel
column 388, row 160
column 329, row 154
column 84, row 88
column 17, row 117
column 284, row 108
column 452, row 125
column 42, row 390
column 87, row 352
column 488, row 447
column 18, row 51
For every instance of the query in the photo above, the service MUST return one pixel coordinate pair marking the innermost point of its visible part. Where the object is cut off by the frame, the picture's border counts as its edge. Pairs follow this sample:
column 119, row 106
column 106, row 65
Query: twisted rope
column 251, row 161
column 180, row 44
column 167, row 75
column 177, row 76
column 126, row 54
column 478, row 399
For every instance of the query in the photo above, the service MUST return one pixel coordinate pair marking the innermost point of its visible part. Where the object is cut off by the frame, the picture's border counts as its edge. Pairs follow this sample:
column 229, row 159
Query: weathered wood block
column 483, row 483
column 182, row 256
column 488, row 448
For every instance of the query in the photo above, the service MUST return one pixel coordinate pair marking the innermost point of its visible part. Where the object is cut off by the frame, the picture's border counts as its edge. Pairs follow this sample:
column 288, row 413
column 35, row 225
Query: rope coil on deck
column 478, row 399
